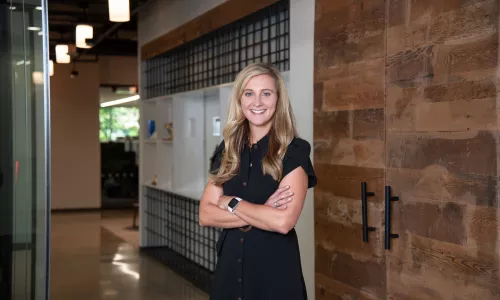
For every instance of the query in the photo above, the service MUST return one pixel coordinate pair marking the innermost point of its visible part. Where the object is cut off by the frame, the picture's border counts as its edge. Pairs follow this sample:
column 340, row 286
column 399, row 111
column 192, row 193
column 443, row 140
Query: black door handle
column 388, row 234
column 364, row 211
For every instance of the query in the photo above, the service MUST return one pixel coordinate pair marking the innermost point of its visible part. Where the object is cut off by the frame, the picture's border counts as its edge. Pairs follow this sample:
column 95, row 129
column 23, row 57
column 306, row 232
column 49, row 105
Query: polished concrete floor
column 89, row 262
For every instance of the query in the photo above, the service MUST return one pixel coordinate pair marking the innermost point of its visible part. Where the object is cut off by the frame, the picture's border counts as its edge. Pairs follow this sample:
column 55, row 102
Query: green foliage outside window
column 116, row 122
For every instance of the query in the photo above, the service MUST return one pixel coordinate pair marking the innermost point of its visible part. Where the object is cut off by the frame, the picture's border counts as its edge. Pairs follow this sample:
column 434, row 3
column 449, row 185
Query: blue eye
column 267, row 94
column 248, row 94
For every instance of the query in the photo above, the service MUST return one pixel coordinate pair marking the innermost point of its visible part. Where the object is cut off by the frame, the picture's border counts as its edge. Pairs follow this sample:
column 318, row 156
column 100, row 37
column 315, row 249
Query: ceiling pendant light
column 119, row 10
column 83, row 32
column 62, row 56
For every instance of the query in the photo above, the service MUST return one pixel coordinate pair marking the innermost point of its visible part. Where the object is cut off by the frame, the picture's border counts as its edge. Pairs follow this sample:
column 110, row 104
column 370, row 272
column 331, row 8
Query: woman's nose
column 257, row 101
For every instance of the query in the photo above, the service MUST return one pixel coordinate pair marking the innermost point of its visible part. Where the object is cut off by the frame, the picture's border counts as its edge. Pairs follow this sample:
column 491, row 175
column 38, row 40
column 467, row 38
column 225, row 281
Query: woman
column 260, row 174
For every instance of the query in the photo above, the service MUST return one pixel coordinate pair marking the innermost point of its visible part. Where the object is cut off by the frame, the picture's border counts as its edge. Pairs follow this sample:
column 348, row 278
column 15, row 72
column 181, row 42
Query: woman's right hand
column 280, row 198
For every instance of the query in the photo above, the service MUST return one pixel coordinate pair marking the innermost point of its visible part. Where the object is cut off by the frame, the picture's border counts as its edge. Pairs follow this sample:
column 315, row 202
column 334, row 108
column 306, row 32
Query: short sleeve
column 216, row 159
column 297, row 155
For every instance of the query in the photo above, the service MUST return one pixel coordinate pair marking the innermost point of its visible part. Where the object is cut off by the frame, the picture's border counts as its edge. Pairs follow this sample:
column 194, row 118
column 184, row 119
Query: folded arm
column 211, row 215
column 268, row 218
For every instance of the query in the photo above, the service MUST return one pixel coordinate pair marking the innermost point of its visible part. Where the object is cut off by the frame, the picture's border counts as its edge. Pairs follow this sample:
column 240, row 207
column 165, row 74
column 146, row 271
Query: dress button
column 239, row 298
column 239, row 260
column 250, row 165
column 244, row 184
column 239, row 279
column 256, row 146
column 241, row 240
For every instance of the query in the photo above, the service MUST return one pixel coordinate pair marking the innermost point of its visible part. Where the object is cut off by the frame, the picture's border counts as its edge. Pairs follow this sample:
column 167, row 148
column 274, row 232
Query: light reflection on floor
column 89, row 262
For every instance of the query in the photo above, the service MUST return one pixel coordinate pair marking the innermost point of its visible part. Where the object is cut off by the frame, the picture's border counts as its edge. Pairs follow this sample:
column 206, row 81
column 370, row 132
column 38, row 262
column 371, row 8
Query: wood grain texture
column 328, row 289
column 366, row 276
column 409, row 68
column 347, row 211
column 354, row 137
column 462, row 153
column 436, row 183
column 483, row 230
column 349, row 31
column 459, row 106
column 436, row 270
column 354, row 93
column 463, row 59
column 345, row 181
column 415, row 23
column 439, row 221
column 431, row 132
column 348, row 238
column 355, row 70
column 226, row 13
column 318, row 96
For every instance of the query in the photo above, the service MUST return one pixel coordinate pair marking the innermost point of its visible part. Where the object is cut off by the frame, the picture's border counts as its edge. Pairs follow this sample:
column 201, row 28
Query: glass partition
column 24, row 128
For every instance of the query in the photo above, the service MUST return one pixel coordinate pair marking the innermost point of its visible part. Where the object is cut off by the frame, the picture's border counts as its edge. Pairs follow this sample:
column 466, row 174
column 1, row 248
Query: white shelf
column 165, row 142
column 181, row 164
column 159, row 187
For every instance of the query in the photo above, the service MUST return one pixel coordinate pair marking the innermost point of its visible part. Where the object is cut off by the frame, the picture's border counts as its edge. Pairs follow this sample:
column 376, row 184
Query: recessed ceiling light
column 120, row 101
column 33, row 28
column 38, row 8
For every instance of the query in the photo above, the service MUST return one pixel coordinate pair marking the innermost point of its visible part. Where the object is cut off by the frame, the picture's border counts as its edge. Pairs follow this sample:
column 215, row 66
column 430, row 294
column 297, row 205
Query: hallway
column 89, row 262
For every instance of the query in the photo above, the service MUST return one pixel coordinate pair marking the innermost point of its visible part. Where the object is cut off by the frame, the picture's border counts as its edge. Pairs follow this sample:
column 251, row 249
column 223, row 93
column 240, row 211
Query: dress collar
column 262, row 144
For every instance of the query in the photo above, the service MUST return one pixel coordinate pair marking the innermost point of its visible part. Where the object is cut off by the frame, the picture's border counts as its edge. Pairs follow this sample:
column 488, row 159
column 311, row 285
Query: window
column 118, row 122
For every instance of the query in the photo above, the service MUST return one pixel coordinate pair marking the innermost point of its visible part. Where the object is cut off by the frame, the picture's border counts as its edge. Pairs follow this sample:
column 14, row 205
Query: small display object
column 151, row 129
column 169, row 131
column 155, row 180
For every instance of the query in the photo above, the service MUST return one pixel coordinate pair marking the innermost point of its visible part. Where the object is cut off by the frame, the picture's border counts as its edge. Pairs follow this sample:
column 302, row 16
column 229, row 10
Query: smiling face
column 259, row 101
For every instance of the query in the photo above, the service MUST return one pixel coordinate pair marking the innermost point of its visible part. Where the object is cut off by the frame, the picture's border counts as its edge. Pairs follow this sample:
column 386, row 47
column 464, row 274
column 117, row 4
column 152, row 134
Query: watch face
column 233, row 203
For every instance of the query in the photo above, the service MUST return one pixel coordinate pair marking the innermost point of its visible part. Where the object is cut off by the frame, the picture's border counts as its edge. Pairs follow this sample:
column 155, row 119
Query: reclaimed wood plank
column 226, row 13
column 345, row 181
column 367, row 276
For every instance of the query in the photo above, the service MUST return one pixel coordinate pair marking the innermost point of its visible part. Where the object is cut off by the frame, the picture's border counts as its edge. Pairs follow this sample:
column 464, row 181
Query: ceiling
column 110, row 38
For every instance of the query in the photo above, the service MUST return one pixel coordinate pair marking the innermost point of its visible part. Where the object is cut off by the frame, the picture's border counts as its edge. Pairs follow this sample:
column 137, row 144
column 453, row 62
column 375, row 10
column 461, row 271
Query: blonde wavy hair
column 237, row 130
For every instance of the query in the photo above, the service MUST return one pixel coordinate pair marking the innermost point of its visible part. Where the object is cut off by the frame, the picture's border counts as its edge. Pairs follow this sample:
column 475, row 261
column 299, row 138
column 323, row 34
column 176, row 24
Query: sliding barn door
column 442, row 145
column 406, row 150
column 349, row 142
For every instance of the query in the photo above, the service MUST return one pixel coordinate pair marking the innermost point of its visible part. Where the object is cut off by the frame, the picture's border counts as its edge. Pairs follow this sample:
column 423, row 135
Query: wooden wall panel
column 406, row 95
column 226, row 13
column 354, row 138
column 442, row 148
column 349, row 140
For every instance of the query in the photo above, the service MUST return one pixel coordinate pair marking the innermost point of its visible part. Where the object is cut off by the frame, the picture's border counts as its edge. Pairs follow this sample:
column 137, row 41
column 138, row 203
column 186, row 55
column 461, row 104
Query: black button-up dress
column 258, row 264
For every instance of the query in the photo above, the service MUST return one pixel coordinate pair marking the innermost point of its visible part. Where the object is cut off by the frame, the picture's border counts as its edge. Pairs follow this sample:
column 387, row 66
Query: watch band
column 231, row 206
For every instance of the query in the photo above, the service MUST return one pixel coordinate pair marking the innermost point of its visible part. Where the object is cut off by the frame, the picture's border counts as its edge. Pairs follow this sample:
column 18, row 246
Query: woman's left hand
column 224, row 201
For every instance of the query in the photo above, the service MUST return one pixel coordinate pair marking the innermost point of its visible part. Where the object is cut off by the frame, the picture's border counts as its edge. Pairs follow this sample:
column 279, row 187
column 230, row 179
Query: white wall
column 301, row 93
column 189, row 150
column 76, row 156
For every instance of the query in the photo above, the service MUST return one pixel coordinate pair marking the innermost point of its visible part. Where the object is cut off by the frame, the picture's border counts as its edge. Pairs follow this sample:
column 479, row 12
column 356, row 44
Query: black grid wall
column 172, row 221
column 216, row 58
